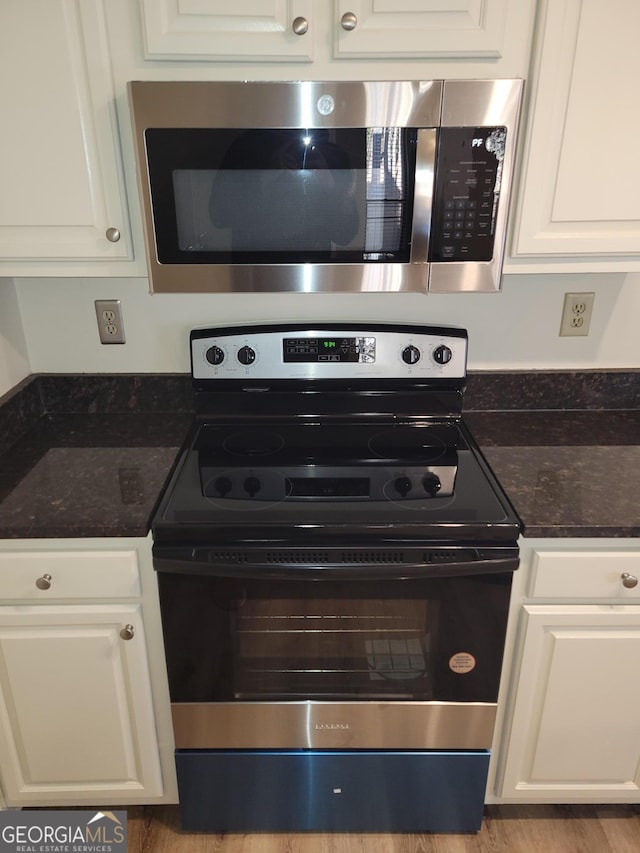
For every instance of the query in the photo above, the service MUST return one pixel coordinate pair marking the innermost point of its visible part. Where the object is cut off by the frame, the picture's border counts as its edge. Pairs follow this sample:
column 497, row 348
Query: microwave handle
column 423, row 200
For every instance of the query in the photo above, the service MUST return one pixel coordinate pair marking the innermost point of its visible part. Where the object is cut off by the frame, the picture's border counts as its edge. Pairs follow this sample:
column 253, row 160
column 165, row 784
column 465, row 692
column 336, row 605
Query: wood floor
column 506, row 829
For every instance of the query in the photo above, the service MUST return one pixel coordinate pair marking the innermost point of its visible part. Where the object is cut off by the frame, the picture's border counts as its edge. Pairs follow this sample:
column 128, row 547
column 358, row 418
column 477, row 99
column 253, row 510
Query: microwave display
column 287, row 195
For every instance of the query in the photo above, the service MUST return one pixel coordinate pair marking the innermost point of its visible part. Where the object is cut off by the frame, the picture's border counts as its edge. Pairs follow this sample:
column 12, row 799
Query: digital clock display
column 321, row 350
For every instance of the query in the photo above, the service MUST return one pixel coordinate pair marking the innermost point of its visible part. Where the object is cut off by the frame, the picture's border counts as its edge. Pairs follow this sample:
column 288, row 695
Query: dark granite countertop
column 79, row 475
column 566, row 473
column 89, row 473
column 85, row 456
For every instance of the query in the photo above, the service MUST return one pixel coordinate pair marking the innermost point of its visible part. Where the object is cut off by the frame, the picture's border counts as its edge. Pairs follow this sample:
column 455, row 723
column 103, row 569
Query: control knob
column 246, row 355
column 214, row 355
column 431, row 484
column 223, row 486
column 411, row 355
column 402, row 486
column 252, row 486
column 442, row 354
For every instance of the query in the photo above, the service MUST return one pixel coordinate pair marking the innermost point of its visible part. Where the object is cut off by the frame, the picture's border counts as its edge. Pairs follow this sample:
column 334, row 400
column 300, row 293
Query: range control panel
column 329, row 352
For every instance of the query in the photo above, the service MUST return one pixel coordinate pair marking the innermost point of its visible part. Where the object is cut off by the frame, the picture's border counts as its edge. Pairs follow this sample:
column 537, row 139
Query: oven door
column 376, row 663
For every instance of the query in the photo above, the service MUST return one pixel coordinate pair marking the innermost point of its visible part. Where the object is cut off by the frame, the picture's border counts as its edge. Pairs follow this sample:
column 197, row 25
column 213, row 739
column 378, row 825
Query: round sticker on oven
column 462, row 662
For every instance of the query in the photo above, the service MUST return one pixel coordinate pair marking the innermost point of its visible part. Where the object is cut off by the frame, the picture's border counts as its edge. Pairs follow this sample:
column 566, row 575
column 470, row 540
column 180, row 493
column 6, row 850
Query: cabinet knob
column 300, row 26
column 44, row 582
column 629, row 581
column 127, row 632
column 349, row 21
column 112, row 235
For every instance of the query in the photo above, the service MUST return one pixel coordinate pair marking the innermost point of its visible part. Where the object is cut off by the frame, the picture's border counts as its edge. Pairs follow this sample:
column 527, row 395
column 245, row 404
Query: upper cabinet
column 236, row 30
column 406, row 28
column 579, row 204
column 303, row 30
column 62, row 198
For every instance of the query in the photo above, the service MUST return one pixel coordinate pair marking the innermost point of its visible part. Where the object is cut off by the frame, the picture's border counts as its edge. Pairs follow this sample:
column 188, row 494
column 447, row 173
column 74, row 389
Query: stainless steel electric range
column 334, row 563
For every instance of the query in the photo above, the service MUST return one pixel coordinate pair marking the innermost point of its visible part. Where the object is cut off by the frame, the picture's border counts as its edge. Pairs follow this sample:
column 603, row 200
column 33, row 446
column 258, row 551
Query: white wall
column 514, row 329
column 14, row 364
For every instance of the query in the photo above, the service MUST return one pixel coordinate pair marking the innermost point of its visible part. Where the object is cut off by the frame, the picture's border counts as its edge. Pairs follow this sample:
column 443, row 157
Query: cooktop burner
column 422, row 444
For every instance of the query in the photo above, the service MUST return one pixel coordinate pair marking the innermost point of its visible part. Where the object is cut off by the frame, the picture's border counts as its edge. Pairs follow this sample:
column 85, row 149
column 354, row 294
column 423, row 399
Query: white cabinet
column 404, row 28
column 77, row 719
column 237, row 30
column 62, row 197
column 75, row 704
column 298, row 30
column 573, row 731
column 579, row 204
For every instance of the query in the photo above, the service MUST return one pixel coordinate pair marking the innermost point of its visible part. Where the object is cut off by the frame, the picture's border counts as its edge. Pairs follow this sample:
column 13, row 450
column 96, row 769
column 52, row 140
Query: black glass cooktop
column 311, row 481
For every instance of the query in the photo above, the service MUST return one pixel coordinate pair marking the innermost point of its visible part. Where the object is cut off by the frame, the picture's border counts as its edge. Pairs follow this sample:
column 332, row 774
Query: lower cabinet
column 77, row 716
column 573, row 732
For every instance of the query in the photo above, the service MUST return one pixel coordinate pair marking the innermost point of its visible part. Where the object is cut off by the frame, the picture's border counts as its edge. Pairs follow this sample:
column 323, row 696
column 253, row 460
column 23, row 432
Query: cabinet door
column 62, row 192
column 76, row 714
column 580, row 189
column 575, row 727
column 410, row 29
column 236, row 30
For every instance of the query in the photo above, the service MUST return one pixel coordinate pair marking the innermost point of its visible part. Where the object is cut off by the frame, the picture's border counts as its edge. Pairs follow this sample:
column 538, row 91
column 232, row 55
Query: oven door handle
column 204, row 561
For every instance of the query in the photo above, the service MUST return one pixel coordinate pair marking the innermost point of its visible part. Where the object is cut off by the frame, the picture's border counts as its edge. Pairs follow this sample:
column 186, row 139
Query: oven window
column 282, row 196
column 317, row 647
column 250, row 640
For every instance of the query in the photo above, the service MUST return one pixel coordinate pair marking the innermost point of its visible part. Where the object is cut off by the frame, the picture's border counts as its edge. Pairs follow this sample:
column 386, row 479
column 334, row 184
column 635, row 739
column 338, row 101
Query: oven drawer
column 586, row 574
column 47, row 576
column 331, row 791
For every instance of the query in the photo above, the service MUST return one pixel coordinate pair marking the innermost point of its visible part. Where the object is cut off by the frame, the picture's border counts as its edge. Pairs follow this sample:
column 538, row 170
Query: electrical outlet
column 109, row 315
column 576, row 313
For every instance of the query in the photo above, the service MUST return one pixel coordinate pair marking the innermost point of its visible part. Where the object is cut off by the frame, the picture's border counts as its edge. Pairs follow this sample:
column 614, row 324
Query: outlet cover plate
column 576, row 314
column 109, row 317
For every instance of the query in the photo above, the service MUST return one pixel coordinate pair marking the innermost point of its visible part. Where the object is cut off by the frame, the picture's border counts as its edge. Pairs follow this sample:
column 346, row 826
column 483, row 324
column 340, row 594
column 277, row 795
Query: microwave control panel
column 467, row 192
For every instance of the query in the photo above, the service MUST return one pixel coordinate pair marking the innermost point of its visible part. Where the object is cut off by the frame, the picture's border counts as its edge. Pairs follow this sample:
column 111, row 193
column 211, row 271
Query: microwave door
column 291, row 209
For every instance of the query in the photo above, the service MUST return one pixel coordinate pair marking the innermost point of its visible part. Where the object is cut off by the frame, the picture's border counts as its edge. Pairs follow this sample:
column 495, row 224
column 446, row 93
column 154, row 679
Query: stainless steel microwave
column 321, row 187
